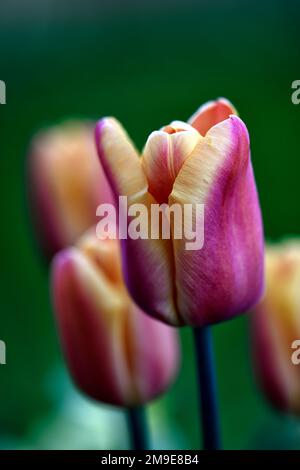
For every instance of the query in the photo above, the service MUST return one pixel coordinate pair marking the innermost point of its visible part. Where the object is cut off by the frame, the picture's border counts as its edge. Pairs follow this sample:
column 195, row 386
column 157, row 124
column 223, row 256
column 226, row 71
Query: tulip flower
column 115, row 353
column 206, row 161
column 66, row 184
column 276, row 328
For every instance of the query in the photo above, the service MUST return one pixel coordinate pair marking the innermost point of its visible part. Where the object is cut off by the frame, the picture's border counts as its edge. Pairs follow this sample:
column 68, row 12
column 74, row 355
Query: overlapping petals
column 204, row 162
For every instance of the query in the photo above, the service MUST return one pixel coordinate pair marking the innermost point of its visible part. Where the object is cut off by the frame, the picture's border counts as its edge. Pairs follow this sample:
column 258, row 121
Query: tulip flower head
column 116, row 353
column 205, row 161
column 66, row 184
column 276, row 328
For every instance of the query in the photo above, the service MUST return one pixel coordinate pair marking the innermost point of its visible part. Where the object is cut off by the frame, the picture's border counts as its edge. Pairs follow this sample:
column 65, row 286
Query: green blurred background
column 147, row 64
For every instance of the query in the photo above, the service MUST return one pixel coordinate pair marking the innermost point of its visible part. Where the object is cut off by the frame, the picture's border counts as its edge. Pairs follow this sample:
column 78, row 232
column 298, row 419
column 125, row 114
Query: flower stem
column 207, row 388
column 138, row 429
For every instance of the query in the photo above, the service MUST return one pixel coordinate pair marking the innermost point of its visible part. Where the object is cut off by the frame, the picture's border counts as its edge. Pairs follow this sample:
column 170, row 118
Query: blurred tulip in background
column 116, row 353
column 276, row 328
column 66, row 184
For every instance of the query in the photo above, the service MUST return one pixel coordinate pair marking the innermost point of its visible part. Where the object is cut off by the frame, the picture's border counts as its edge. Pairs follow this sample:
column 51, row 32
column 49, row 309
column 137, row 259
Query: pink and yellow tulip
column 116, row 353
column 66, row 184
column 276, row 327
column 205, row 161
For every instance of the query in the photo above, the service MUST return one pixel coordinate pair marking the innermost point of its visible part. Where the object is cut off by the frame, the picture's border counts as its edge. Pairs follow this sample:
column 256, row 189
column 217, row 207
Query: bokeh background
column 147, row 63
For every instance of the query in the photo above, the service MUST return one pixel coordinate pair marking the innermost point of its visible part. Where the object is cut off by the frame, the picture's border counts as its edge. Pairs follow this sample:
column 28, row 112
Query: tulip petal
column 147, row 263
column 120, row 159
column 276, row 324
column 269, row 366
column 148, row 374
column 225, row 277
column 105, row 254
column 148, row 270
column 89, row 315
column 163, row 156
column 155, row 369
column 210, row 114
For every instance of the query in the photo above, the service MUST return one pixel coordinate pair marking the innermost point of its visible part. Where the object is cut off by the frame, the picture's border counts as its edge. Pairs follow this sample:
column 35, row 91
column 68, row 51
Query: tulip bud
column 66, row 184
column 276, row 328
column 205, row 163
column 115, row 353
column 164, row 154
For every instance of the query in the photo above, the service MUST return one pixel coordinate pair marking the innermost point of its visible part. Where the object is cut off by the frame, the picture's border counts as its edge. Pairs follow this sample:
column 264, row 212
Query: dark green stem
column 207, row 388
column 138, row 429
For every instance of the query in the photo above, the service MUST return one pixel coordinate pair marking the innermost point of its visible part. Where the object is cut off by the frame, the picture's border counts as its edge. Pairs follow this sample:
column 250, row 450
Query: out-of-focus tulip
column 276, row 328
column 116, row 353
column 204, row 162
column 66, row 184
